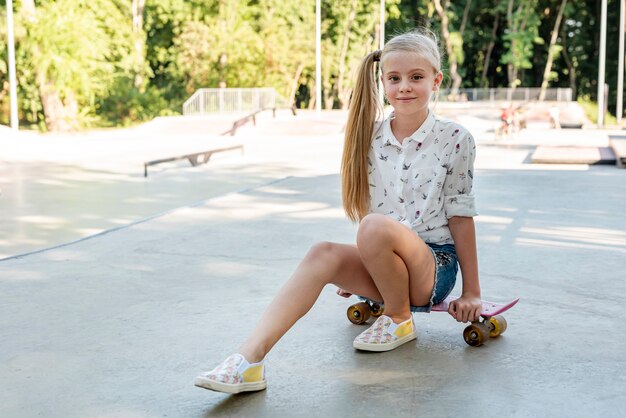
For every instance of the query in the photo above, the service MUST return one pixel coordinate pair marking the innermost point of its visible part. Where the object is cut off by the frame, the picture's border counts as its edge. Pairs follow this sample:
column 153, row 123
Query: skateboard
column 491, row 324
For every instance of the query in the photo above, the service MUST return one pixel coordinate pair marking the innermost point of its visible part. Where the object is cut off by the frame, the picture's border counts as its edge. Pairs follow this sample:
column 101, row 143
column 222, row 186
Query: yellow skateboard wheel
column 359, row 313
column 476, row 334
column 497, row 325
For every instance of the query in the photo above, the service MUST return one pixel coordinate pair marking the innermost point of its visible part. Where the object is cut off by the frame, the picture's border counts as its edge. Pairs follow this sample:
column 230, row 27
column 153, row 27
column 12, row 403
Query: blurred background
column 104, row 63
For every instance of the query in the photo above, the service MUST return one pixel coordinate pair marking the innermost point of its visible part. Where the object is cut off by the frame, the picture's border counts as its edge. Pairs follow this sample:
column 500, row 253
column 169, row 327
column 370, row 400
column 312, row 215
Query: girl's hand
column 465, row 308
column 343, row 293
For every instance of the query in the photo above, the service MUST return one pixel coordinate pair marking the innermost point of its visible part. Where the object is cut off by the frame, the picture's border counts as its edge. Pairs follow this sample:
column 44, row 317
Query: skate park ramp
column 57, row 188
column 119, row 324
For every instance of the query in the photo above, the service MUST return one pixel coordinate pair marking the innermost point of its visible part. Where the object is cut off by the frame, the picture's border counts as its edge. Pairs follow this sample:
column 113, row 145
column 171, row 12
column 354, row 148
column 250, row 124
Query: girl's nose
column 405, row 86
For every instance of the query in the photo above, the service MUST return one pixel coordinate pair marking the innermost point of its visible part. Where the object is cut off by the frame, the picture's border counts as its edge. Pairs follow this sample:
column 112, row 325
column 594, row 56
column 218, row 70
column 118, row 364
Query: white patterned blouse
column 425, row 180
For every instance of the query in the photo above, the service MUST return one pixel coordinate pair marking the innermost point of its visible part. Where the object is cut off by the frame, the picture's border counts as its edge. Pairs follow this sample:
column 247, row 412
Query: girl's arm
column 468, row 306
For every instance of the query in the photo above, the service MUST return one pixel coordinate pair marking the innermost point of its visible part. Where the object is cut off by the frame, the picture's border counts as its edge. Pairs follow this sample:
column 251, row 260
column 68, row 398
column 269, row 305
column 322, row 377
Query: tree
column 111, row 62
column 522, row 24
column 349, row 33
column 139, row 41
column 489, row 50
column 70, row 54
column 453, row 42
column 286, row 29
column 552, row 49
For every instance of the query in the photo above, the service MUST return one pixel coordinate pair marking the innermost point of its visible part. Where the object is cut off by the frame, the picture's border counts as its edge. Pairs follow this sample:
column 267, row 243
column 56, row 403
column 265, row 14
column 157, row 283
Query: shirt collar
column 419, row 135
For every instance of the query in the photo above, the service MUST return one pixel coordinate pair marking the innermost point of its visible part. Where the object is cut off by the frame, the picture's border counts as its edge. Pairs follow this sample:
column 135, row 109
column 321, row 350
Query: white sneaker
column 385, row 335
column 234, row 375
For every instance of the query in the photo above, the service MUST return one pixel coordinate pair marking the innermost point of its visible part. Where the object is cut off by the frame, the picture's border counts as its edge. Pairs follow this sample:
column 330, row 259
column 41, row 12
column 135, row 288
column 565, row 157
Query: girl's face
column 409, row 81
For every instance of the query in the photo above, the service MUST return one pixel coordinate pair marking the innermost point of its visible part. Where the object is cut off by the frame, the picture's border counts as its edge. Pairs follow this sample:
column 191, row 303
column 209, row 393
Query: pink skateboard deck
column 489, row 308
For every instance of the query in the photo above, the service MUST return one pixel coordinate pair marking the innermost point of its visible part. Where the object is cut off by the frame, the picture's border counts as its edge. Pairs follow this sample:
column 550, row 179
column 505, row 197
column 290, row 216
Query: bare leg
column 391, row 264
column 399, row 262
column 324, row 263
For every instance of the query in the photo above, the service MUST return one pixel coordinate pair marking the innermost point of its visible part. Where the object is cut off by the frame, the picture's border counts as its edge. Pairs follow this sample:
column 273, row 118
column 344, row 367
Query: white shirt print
column 425, row 180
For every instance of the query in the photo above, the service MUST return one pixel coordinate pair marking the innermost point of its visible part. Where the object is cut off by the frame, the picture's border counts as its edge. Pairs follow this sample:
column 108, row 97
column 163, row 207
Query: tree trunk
column 294, row 84
column 328, row 99
column 343, row 102
column 468, row 4
column 312, row 94
column 137, row 8
column 510, row 68
column 555, row 32
column 452, row 58
column 570, row 66
column 524, row 6
column 59, row 114
column 376, row 36
column 223, row 59
column 483, row 79
column 28, row 8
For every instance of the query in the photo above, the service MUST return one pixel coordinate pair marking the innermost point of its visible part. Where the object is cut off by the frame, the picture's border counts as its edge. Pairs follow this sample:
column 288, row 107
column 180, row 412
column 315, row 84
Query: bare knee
column 324, row 254
column 373, row 234
column 321, row 249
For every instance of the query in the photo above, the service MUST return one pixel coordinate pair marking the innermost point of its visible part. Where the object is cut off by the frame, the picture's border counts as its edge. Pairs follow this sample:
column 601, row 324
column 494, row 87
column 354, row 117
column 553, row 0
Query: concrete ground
column 56, row 189
column 118, row 325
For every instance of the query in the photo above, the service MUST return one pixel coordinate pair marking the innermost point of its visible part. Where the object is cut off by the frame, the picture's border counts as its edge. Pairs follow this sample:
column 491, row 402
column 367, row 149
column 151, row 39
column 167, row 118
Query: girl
column 407, row 180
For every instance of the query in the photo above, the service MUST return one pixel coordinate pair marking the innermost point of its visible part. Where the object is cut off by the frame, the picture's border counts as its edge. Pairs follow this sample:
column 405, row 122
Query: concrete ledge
column 573, row 155
column 618, row 145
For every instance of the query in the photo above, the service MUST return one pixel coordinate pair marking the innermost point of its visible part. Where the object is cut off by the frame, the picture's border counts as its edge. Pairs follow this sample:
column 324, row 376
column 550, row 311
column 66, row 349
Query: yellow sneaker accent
column 404, row 328
column 253, row 374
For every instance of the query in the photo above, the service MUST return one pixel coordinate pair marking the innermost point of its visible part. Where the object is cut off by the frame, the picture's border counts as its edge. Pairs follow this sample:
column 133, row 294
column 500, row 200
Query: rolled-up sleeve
column 458, row 197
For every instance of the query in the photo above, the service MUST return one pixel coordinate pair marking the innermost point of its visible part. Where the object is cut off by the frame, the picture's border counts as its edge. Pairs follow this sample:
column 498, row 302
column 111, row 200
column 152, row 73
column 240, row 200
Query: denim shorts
column 446, row 268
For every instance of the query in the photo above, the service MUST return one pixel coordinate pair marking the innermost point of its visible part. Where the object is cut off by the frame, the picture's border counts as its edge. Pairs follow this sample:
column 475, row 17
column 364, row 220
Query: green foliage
column 76, row 49
column 70, row 46
column 457, row 47
column 88, row 55
column 236, row 43
column 126, row 105
column 521, row 33
column 591, row 111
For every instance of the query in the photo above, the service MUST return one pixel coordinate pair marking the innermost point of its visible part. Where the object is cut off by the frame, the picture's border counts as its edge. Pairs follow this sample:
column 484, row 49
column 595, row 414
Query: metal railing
column 524, row 94
column 205, row 101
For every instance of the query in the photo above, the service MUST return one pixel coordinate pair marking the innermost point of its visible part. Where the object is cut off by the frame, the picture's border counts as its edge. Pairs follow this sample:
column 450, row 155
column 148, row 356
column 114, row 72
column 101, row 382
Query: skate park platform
column 118, row 324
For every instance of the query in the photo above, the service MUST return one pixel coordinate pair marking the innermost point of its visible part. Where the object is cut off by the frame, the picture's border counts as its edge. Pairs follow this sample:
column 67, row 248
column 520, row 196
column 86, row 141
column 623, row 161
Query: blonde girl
column 407, row 181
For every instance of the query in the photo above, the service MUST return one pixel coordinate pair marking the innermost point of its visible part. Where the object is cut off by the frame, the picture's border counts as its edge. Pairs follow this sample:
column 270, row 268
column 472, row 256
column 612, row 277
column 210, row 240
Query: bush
column 125, row 105
column 591, row 111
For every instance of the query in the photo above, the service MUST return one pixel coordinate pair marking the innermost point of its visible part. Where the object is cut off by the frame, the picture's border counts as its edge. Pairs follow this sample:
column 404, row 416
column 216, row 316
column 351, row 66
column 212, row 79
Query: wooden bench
column 194, row 159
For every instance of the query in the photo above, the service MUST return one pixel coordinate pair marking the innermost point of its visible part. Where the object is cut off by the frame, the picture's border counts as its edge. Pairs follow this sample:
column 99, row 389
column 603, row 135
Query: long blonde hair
column 365, row 109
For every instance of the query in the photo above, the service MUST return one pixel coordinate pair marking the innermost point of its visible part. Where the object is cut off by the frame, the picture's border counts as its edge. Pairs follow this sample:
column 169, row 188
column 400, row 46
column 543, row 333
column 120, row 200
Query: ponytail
column 365, row 108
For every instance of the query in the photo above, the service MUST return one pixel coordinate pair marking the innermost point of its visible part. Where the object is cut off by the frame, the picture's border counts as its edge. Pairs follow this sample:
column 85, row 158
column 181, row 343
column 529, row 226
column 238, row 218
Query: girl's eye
column 417, row 77
column 394, row 78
